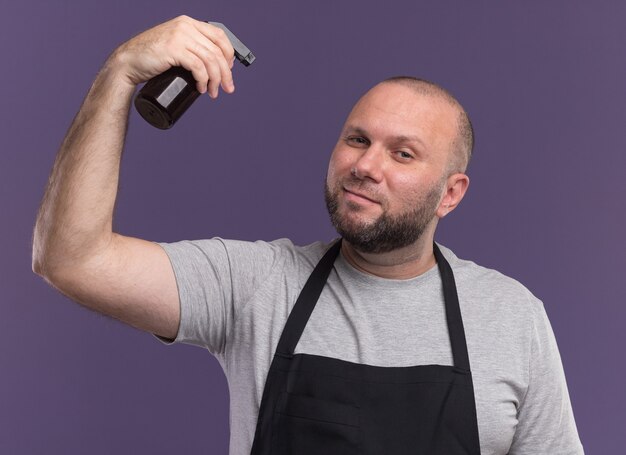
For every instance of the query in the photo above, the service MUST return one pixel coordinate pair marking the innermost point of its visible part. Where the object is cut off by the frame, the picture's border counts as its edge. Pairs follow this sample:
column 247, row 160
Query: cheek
column 407, row 191
column 404, row 185
column 338, row 166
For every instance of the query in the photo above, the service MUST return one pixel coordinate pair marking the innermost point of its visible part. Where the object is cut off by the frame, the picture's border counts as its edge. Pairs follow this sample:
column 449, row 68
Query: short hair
column 463, row 144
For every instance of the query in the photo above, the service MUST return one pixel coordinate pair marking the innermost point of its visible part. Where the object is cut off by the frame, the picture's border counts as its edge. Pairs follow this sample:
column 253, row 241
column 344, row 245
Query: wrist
column 114, row 71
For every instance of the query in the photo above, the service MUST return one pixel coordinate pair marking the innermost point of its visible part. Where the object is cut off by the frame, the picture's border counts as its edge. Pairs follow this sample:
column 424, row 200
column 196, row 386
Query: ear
column 456, row 186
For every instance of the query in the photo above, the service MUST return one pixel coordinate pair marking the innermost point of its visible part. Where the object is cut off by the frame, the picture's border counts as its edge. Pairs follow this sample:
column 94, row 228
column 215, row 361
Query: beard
column 387, row 232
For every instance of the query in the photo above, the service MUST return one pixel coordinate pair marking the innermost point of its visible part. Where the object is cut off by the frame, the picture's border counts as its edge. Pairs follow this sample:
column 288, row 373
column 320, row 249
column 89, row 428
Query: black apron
column 317, row 405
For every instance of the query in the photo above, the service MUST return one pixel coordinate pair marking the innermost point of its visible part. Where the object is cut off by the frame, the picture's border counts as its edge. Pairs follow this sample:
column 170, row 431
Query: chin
column 358, row 217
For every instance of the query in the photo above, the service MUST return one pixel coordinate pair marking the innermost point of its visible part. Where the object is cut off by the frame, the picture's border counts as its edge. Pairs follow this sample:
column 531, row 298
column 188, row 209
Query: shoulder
column 247, row 257
column 281, row 251
column 468, row 271
column 491, row 288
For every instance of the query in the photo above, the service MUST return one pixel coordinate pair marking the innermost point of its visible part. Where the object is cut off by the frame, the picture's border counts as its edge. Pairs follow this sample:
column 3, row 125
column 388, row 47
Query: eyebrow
column 400, row 138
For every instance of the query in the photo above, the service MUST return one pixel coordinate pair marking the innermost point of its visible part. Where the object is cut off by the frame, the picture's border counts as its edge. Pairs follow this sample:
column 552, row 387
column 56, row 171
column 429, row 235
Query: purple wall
column 544, row 84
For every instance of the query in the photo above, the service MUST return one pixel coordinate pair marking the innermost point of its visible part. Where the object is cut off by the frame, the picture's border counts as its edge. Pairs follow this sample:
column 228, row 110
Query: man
column 379, row 342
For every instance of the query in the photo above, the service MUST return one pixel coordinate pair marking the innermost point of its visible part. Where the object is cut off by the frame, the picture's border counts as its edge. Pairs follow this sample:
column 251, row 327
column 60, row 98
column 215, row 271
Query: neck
column 401, row 264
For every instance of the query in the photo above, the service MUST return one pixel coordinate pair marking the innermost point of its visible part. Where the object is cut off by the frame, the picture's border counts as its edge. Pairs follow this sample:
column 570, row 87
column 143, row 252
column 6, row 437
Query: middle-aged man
column 379, row 342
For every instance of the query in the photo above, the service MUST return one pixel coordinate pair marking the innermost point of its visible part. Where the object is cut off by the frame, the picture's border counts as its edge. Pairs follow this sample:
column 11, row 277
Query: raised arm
column 74, row 246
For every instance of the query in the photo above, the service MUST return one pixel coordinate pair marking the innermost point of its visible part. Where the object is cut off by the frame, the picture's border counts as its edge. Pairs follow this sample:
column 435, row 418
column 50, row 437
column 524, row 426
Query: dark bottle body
column 164, row 98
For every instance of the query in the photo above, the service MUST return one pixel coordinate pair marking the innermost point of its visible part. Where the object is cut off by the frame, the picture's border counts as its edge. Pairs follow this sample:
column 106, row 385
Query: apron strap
column 453, row 312
column 305, row 304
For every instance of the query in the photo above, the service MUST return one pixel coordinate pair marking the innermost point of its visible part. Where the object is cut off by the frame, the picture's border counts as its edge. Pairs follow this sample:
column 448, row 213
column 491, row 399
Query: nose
column 369, row 164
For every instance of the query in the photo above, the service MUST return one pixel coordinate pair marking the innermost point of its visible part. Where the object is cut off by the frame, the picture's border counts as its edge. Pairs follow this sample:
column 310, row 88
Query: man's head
column 462, row 145
column 398, row 165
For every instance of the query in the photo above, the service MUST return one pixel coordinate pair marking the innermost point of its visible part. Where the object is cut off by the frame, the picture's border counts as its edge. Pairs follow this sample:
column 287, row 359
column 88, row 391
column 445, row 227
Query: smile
column 358, row 197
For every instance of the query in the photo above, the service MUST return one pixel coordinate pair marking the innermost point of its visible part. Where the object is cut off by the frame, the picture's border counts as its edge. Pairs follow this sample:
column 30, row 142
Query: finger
column 212, row 55
column 226, row 74
column 217, row 36
column 214, row 75
column 198, row 69
column 214, row 62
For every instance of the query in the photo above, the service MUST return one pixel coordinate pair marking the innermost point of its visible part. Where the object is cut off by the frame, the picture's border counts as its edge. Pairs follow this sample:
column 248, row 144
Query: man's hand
column 198, row 46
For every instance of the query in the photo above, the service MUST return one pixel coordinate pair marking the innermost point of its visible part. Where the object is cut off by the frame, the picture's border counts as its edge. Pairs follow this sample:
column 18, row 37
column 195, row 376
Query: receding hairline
column 463, row 143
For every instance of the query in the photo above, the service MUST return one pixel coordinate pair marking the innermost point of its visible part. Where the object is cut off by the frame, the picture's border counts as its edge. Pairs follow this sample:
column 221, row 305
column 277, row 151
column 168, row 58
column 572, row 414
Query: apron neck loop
column 299, row 315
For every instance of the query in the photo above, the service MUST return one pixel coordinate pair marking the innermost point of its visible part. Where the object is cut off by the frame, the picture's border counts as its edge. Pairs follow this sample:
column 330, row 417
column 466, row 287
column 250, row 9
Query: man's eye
column 404, row 155
column 357, row 139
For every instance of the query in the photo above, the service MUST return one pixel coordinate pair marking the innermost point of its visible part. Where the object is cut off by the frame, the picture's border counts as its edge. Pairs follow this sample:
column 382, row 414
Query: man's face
column 387, row 172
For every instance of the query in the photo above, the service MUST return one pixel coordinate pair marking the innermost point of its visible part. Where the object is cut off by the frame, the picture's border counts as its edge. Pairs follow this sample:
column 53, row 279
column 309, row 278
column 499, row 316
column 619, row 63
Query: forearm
column 75, row 217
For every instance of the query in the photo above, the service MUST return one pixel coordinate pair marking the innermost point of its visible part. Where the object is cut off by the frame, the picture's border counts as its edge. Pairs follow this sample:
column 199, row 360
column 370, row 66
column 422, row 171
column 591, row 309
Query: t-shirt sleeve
column 215, row 279
column 546, row 422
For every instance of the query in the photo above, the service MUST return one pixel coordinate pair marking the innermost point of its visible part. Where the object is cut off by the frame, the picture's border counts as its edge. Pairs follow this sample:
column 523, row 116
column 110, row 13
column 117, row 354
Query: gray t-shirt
column 236, row 296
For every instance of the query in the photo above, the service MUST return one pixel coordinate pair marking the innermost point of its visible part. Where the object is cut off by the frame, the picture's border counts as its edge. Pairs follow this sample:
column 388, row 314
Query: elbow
column 40, row 259
column 36, row 255
column 40, row 267
column 35, row 258
column 37, row 266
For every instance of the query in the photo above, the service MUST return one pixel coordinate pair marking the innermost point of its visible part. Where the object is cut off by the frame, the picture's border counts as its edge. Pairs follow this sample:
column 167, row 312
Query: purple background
column 543, row 83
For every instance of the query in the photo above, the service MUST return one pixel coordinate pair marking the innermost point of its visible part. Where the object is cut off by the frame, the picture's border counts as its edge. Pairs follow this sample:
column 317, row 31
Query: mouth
column 358, row 196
